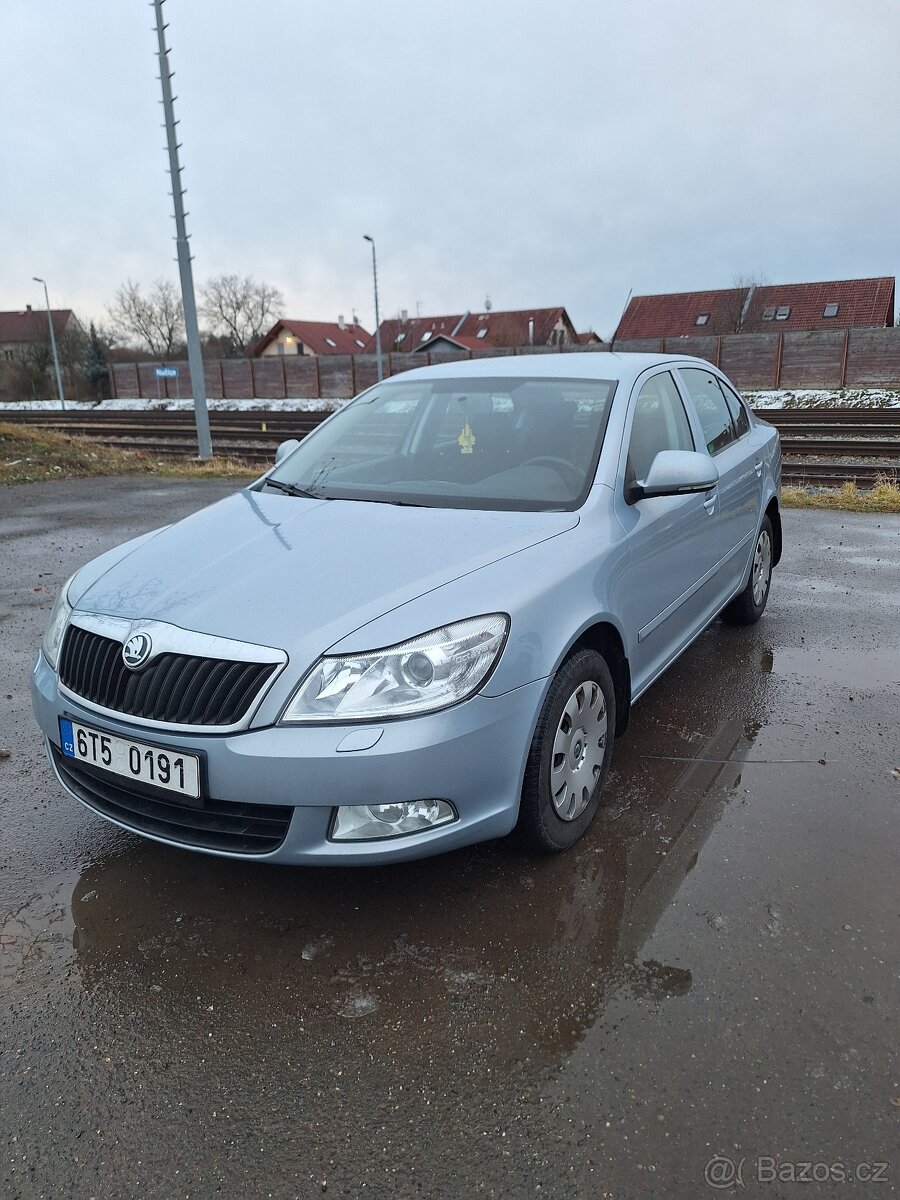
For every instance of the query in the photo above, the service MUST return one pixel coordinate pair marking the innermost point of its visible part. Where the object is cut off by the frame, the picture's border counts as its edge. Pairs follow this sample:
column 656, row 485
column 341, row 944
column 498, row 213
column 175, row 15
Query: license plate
column 171, row 770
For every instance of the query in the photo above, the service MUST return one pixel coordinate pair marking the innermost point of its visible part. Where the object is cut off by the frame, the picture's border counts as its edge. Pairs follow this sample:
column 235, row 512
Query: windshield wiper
column 291, row 489
column 382, row 500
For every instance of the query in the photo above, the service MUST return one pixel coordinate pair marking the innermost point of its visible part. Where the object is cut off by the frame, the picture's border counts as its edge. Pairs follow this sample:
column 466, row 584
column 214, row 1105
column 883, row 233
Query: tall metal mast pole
column 191, row 328
column 59, row 386
column 367, row 238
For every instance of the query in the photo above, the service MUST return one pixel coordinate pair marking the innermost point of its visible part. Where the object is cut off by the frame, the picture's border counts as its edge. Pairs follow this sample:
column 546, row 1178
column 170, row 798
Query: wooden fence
column 839, row 358
column 821, row 358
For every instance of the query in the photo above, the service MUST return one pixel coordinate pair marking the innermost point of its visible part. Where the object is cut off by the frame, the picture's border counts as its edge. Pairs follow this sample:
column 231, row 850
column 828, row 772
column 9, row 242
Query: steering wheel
column 569, row 474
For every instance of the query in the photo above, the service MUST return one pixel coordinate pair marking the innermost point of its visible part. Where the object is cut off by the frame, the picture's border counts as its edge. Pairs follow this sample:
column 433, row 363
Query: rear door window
column 712, row 408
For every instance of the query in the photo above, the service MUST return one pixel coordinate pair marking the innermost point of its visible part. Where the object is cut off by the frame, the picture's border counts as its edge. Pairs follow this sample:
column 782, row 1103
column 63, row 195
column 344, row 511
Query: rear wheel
column 748, row 606
column 570, row 752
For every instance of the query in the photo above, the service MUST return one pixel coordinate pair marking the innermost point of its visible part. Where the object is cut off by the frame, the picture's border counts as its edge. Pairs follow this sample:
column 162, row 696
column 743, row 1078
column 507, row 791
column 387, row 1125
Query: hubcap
column 578, row 749
column 762, row 566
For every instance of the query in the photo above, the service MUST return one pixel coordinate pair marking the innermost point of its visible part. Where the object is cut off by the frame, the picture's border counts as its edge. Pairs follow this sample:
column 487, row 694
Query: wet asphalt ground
column 703, row 992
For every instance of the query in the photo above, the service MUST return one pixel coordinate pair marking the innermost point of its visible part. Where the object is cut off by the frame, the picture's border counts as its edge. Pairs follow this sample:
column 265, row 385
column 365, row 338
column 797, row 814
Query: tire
column 748, row 606
column 580, row 706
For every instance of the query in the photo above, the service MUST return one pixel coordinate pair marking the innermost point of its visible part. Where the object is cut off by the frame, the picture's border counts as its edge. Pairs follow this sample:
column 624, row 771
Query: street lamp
column 377, row 318
column 59, row 386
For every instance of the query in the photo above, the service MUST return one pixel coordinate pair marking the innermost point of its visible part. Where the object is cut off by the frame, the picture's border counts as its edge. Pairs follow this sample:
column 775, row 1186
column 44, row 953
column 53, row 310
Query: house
column 447, row 342
column 681, row 314
column 22, row 330
column 843, row 304
column 477, row 331
column 839, row 304
column 311, row 337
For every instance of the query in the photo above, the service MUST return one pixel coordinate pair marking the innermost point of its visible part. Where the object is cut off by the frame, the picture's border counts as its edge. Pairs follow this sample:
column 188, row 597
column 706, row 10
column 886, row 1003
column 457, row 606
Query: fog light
column 368, row 822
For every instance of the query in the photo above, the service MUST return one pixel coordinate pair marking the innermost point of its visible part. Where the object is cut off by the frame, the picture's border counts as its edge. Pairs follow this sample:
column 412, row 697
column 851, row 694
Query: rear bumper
column 472, row 755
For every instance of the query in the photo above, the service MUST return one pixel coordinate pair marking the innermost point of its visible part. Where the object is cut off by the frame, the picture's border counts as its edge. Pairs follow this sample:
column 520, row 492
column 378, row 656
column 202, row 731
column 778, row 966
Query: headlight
column 429, row 672
column 56, row 626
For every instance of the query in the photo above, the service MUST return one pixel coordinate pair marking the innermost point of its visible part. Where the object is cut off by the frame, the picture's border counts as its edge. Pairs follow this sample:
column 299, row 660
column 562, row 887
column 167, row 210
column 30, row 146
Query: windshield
column 494, row 443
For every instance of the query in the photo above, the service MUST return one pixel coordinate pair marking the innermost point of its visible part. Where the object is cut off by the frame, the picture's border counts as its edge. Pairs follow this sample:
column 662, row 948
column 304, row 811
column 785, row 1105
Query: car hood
column 285, row 571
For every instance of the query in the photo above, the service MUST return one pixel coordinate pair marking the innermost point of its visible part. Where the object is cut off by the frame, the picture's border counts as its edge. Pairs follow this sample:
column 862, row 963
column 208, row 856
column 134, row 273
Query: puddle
column 486, row 937
column 528, row 948
column 864, row 670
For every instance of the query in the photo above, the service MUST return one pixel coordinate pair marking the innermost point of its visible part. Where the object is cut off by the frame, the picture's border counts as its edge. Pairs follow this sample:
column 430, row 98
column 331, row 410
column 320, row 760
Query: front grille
column 181, row 689
column 217, row 825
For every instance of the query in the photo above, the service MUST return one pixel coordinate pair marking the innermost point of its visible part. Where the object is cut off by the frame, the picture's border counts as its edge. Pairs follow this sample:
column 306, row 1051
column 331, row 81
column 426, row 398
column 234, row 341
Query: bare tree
column 28, row 369
column 743, row 284
column 27, row 372
column 155, row 319
column 239, row 308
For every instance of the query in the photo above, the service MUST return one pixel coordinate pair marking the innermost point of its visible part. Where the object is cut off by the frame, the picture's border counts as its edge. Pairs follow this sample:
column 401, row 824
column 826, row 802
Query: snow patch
column 784, row 398
column 299, row 405
column 822, row 398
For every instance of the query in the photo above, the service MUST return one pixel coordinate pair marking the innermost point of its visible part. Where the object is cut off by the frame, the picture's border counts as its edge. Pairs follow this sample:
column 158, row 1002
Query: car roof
column 587, row 365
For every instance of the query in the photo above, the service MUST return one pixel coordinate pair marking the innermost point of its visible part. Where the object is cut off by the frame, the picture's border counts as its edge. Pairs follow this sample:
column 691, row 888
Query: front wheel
column 569, row 757
column 748, row 606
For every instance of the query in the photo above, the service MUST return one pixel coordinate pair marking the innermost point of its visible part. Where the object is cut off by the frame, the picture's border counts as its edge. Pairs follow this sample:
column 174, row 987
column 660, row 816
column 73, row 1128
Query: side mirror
column 285, row 449
column 675, row 473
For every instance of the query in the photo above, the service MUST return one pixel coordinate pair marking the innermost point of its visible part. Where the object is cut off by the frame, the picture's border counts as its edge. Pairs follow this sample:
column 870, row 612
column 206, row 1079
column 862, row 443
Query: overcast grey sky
column 540, row 154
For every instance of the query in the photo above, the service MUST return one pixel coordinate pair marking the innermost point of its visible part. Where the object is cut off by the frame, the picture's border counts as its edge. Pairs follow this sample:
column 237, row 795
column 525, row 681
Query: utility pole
column 59, row 386
column 377, row 318
column 189, row 304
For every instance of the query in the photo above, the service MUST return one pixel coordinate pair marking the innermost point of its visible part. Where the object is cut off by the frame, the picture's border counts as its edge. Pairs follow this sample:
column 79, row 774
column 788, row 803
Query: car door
column 726, row 431
column 670, row 538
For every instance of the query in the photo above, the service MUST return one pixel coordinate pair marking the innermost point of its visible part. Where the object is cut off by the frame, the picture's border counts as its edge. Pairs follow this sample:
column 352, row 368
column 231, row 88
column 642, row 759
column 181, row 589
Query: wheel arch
column 773, row 512
column 606, row 639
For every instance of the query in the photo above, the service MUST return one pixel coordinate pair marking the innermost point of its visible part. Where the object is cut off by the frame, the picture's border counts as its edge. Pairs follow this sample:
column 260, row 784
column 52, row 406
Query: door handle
column 710, row 504
column 757, row 467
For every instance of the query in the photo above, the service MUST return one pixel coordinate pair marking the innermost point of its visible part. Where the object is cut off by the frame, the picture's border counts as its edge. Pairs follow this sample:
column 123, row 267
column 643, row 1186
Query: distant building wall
column 285, row 343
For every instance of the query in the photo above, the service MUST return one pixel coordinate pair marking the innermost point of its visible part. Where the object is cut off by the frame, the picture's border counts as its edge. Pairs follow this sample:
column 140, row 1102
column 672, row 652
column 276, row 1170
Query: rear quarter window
column 737, row 408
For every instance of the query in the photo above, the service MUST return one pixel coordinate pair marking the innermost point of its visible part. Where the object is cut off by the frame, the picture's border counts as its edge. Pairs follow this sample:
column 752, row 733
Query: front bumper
column 472, row 755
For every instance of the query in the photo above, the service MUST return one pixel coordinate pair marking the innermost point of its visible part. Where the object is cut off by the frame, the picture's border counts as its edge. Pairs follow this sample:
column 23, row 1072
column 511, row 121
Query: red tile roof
column 406, row 334
column 861, row 302
column 512, row 328
column 675, row 315
column 317, row 336
column 31, row 325
column 448, row 341
column 502, row 329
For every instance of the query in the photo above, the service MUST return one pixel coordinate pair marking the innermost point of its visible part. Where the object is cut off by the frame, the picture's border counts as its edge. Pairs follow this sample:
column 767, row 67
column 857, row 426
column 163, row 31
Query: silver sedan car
column 426, row 626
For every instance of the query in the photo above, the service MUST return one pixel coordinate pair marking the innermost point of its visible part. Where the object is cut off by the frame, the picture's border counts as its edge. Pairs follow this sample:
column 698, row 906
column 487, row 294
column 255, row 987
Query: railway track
column 848, row 439
column 855, row 447
column 179, row 448
column 832, row 474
